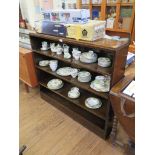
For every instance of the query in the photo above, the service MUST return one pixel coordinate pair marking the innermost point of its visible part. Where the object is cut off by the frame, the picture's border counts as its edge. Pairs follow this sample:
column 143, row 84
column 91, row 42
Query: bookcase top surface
column 105, row 44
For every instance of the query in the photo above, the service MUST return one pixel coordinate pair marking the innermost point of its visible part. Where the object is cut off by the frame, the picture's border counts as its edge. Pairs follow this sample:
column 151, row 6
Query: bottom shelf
column 85, row 118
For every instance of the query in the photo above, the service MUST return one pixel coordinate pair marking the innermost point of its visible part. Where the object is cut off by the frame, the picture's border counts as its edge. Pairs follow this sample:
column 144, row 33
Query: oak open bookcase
column 97, row 120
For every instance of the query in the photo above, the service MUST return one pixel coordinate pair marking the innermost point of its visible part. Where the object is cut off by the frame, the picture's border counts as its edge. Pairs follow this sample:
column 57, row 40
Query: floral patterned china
column 55, row 84
column 93, row 103
column 44, row 63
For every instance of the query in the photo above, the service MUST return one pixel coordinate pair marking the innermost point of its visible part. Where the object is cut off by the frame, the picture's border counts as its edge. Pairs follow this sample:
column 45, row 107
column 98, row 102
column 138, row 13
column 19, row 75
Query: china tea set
column 100, row 83
column 74, row 93
column 85, row 57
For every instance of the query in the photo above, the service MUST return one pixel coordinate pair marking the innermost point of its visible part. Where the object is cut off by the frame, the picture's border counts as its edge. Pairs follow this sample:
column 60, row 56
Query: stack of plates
column 86, row 57
column 65, row 71
column 84, row 76
column 44, row 63
column 93, row 103
column 55, row 84
column 104, row 62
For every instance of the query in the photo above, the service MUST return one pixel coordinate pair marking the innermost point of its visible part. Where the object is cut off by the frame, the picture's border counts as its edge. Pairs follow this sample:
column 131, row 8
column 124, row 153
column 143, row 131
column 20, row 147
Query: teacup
column 74, row 73
column 44, row 45
column 53, row 65
column 77, row 55
column 75, row 89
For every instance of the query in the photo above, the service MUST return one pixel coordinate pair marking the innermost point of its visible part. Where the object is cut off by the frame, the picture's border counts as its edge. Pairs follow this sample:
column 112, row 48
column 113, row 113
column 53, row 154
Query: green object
column 126, row 11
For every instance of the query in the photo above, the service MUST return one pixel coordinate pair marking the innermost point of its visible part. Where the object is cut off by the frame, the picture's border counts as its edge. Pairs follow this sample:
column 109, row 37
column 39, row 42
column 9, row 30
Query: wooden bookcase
column 118, row 5
column 98, row 120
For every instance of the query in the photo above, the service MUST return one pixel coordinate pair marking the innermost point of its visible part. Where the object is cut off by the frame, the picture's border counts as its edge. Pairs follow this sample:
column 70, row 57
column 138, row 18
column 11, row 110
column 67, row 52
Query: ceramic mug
column 53, row 65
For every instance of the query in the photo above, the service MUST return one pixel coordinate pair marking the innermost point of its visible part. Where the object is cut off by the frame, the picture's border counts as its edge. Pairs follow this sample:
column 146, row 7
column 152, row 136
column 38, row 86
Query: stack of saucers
column 84, row 76
column 104, row 62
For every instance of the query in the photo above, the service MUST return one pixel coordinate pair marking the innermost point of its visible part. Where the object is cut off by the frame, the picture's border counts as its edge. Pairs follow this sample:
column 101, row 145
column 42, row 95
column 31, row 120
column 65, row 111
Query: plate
column 65, row 71
column 44, row 63
column 93, row 103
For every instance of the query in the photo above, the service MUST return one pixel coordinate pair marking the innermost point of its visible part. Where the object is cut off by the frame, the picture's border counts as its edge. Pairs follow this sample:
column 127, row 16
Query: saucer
column 45, row 49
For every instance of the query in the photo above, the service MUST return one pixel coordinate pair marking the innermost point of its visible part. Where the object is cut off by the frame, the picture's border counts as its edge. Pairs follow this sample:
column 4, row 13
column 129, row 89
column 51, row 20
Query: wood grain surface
column 47, row 131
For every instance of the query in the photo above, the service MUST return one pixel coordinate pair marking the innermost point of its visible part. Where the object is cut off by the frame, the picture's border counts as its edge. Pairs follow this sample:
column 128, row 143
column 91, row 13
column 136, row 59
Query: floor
column 47, row 131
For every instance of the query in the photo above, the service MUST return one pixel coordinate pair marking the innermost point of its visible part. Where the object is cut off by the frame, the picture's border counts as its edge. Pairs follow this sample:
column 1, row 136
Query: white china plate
column 65, row 71
column 93, row 103
column 44, row 63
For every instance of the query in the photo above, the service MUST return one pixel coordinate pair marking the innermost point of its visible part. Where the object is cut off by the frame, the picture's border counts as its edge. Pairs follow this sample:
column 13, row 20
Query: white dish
column 104, row 62
column 65, row 71
column 55, row 84
column 45, row 49
column 73, row 95
column 88, row 57
column 99, row 87
column 93, row 103
column 44, row 63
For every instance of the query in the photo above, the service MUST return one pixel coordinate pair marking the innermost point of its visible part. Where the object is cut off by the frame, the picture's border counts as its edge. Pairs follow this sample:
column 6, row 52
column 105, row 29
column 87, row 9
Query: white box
column 68, row 15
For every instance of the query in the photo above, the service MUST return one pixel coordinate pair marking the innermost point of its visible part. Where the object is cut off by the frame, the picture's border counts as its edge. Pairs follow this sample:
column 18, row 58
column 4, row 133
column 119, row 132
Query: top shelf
column 104, row 44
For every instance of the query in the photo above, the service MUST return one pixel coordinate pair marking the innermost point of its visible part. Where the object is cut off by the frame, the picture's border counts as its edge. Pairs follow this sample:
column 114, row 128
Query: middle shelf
column 80, row 102
column 74, row 81
column 90, row 67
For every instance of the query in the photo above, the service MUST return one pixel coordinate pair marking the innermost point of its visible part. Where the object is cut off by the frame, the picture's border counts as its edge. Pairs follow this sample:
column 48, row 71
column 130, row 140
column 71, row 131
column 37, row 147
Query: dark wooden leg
column 26, row 88
column 114, row 131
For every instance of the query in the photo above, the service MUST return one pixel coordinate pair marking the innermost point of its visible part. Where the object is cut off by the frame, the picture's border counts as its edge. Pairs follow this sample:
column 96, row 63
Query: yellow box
column 93, row 30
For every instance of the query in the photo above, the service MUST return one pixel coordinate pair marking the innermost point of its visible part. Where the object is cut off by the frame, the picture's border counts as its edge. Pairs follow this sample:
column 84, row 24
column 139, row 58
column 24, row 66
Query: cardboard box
column 67, row 16
column 93, row 30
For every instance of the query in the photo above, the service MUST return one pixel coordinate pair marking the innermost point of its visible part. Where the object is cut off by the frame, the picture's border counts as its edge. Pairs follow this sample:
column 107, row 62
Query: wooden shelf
column 74, row 81
column 117, row 50
column 103, row 44
column 117, row 30
column 111, row 4
column 63, row 92
column 96, row 5
column 90, row 67
column 126, row 4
